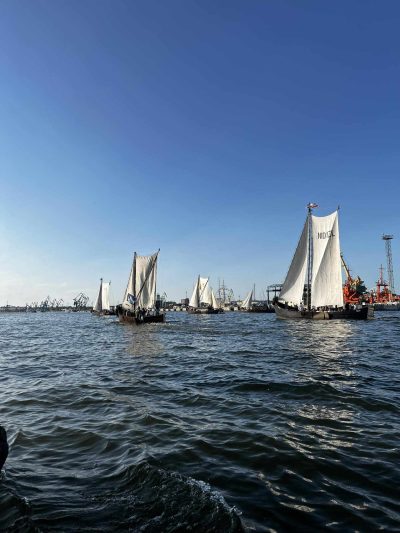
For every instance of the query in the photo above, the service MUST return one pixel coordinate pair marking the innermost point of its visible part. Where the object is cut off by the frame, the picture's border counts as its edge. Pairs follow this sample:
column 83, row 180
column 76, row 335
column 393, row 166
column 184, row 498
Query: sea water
column 225, row 422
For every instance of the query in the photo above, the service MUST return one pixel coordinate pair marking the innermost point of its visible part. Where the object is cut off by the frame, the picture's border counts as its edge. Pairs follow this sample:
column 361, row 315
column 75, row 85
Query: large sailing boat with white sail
column 140, row 304
column 203, row 300
column 313, row 285
column 102, row 304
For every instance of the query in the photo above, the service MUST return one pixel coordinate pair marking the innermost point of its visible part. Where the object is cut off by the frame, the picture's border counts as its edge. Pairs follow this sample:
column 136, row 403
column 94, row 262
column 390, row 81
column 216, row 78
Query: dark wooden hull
column 261, row 310
column 103, row 313
column 129, row 318
column 203, row 311
column 362, row 313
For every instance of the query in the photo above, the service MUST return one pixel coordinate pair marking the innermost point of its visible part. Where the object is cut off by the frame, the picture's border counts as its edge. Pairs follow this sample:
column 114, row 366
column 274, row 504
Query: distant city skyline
column 200, row 128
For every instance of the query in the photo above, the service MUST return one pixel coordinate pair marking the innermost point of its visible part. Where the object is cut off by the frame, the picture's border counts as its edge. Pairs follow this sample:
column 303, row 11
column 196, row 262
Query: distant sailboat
column 203, row 300
column 102, row 304
column 250, row 306
column 140, row 303
column 247, row 302
column 313, row 285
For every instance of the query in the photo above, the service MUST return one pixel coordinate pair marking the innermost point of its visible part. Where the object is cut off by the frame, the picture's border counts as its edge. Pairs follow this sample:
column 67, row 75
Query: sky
column 201, row 128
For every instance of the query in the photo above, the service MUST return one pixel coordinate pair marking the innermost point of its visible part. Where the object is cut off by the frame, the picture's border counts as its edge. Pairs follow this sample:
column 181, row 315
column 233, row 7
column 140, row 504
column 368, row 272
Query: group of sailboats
column 139, row 304
column 203, row 300
column 312, row 288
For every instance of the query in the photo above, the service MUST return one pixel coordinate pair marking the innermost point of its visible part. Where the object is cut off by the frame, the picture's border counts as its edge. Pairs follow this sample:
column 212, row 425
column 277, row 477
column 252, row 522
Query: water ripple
column 205, row 423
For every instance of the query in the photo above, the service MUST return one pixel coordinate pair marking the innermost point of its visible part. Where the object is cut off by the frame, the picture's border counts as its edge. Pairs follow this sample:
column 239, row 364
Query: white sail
column 203, row 287
column 214, row 302
column 246, row 304
column 141, row 288
column 195, row 299
column 146, row 277
column 200, row 292
column 293, row 286
column 97, row 305
column 105, row 296
column 326, row 285
column 128, row 300
column 206, row 297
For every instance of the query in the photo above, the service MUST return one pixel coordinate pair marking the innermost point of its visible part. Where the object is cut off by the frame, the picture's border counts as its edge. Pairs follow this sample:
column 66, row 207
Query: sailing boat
column 140, row 304
column 247, row 302
column 203, row 300
column 313, row 284
column 250, row 306
column 102, row 305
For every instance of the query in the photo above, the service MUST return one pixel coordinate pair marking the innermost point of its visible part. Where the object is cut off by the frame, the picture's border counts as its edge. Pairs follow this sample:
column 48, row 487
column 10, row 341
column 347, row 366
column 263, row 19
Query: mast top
column 311, row 206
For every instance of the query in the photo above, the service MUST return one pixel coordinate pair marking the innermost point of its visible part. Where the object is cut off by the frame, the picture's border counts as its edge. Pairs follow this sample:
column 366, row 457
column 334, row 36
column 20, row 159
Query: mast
column 101, row 294
column 309, row 266
column 134, row 281
column 310, row 207
column 155, row 282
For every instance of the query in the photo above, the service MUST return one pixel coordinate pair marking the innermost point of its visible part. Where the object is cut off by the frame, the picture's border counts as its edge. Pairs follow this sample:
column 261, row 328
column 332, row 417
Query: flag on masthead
column 311, row 205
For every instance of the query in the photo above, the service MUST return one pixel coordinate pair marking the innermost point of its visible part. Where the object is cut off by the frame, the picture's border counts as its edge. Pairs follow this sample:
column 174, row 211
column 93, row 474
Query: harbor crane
column 354, row 288
column 80, row 301
column 389, row 259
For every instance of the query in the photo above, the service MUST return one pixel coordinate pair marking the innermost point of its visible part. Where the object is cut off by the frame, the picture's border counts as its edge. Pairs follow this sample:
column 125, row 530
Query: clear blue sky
column 199, row 127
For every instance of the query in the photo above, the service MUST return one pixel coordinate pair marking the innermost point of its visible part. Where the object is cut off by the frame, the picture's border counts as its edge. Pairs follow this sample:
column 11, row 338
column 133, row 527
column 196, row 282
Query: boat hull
column 104, row 313
column 363, row 313
column 261, row 310
column 387, row 306
column 130, row 318
column 203, row 311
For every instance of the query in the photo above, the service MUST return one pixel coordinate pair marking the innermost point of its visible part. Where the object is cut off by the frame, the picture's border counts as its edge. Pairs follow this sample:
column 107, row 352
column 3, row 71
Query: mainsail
column 200, row 292
column 293, row 286
column 206, row 297
column 246, row 304
column 141, row 289
column 103, row 298
column 214, row 302
column 326, row 285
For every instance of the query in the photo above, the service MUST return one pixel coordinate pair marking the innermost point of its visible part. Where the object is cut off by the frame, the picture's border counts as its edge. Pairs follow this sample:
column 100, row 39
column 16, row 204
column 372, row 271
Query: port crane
column 354, row 288
column 80, row 301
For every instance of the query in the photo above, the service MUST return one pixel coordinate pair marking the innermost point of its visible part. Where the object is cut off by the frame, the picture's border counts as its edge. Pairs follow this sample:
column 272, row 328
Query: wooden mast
column 309, row 266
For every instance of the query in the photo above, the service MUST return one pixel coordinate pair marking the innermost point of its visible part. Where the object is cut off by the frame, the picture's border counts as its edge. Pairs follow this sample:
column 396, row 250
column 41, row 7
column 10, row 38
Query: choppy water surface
column 206, row 423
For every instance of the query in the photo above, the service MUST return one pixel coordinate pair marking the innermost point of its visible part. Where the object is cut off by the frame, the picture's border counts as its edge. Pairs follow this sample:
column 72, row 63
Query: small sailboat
column 313, row 285
column 140, row 304
column 203, row 300
column 102, row 304
column 250, row 306
column 247, row 302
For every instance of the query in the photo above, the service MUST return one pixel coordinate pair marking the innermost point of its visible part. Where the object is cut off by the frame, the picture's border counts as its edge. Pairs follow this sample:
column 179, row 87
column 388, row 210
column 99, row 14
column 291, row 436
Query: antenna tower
column 388, row 246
